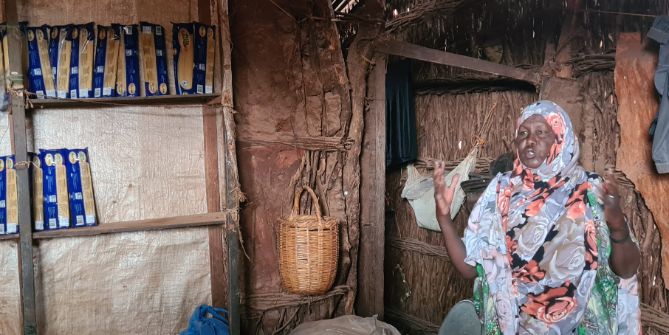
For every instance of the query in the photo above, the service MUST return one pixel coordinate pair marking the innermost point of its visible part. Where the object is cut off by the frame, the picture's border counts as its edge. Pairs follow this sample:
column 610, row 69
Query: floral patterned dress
column 540, row 244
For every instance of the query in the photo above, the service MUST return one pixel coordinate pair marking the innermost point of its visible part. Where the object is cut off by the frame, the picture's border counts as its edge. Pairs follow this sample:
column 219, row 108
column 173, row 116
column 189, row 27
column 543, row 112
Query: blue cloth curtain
column 401, row 138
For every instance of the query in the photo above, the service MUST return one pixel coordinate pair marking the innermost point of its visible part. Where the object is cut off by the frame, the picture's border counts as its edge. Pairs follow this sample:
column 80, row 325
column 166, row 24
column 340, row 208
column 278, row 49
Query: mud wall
column 293, row 107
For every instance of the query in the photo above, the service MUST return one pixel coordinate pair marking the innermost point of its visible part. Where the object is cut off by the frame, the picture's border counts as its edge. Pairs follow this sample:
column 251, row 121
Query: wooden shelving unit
column 218, row 212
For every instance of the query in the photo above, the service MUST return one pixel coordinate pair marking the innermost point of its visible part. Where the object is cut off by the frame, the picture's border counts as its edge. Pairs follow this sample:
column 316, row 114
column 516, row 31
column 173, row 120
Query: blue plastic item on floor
column 208, row 320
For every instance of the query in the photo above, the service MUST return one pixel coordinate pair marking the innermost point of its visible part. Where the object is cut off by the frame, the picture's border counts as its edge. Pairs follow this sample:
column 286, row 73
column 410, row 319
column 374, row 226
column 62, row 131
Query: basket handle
column 296, row 202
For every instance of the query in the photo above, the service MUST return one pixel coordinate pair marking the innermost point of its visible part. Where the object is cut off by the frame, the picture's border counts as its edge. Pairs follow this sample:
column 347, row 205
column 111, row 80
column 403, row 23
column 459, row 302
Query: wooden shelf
column 188, row 221
column 199, row 99
column 9, row 237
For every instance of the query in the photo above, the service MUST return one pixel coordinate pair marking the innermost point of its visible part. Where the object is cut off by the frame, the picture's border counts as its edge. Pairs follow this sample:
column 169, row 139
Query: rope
column 485, row 128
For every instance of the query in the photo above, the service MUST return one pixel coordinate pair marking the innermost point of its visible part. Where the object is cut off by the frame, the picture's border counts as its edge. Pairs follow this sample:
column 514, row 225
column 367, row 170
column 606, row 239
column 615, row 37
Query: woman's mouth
column 530, row 153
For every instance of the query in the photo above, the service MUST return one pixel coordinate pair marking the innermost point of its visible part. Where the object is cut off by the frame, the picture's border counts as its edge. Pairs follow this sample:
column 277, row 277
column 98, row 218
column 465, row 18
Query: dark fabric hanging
column 401, row 138
column 659, row 130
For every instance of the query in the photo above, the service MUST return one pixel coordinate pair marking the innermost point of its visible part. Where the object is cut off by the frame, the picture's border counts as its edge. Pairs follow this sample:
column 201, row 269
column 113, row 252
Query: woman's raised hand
column 443, row 195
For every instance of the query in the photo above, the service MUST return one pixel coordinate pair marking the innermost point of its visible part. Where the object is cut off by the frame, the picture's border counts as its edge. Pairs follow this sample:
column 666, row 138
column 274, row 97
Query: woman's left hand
column 611, row 197
column 625, row 256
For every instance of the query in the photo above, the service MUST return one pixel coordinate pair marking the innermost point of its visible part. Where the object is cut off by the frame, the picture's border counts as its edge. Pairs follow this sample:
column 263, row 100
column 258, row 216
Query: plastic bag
column 346, row 325
column 419, row 190
column 207, row 320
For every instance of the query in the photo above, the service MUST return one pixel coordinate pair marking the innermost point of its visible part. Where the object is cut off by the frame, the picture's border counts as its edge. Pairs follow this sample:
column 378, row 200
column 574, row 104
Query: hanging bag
column 308, row 249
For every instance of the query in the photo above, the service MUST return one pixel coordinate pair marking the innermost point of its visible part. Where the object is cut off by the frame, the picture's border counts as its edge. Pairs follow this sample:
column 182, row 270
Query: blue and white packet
column 56, row 197
column 205, row 57
column 54, row 33
column 184, row 58
column 153, row 60
column 200, row 33
column 40, row 78
column 106, row 61
column 85, row 60
column 62, row 47
column 36, row 191
column 127, row 77
column 9, row 214
column 74, row 62
column 80, row 188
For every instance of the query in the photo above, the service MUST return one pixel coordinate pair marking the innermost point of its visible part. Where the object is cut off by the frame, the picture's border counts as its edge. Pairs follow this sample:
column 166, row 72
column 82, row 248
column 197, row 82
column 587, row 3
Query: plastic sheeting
column 146, row 162
column 10, row 303
column 135, row 283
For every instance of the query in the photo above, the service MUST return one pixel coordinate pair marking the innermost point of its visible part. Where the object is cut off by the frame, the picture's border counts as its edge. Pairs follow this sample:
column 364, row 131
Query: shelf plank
column 188, row 221
column 200, row 99
column 12, row 237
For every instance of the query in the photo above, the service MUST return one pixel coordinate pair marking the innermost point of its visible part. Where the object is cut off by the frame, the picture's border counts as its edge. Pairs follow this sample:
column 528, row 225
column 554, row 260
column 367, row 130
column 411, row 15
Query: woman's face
column 534, row 141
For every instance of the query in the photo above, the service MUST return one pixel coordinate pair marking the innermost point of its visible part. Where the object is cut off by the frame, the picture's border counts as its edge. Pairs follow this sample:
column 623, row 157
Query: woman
column 548, row 242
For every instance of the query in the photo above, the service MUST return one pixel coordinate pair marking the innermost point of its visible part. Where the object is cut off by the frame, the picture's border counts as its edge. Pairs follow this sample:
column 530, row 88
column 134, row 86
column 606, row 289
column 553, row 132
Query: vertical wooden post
column 20, row 146
column 228, row 166
column 216, row 258
column 372, row 195
column 211, row 157
column 232, row 224
column 220, row 155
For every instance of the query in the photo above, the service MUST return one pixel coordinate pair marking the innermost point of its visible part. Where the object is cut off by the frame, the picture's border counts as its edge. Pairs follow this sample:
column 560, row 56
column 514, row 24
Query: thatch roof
column 513, row 32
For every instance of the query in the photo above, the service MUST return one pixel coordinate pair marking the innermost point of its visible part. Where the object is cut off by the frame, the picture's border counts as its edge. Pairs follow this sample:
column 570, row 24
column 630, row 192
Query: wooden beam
column 228, row 166
column 187, row 221
column 216, row 253
column 321, row 143
column 20, row 145
column 213, row 205
column 369, row 300
column 233, row 229
column 413, row 51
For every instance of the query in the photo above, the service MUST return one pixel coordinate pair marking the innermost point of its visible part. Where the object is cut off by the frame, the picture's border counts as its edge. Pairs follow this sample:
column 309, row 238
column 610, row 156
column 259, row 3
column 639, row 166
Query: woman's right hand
column 443, row 195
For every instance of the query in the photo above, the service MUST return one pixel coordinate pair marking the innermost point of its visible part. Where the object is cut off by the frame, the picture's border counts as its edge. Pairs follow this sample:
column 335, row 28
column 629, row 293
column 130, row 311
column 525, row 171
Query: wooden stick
column 188, row 221
column 322, row 143
column 413, row 51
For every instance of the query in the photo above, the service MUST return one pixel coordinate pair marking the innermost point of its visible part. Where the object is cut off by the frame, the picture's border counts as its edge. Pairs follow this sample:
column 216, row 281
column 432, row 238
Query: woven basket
column 308, row 249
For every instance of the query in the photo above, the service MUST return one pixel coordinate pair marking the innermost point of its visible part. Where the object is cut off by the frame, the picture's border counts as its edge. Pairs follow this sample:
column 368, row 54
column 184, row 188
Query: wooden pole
column 413, row 51
column 20, row 145
column 232, row 228
column 228, row 166
column 369, row 300
column 216, row 256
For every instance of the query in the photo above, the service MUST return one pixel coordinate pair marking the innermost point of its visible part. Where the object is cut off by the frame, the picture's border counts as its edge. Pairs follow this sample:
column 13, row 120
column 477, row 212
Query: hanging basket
column 308, row 249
